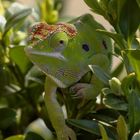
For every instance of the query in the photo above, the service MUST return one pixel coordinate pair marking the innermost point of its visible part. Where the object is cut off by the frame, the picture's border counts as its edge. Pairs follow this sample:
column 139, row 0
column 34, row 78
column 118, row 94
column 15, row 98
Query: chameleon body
column 63, row 52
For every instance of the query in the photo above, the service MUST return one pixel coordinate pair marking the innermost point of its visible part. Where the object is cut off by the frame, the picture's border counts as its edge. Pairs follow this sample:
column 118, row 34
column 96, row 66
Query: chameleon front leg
column 89, row 91
column 55, row 112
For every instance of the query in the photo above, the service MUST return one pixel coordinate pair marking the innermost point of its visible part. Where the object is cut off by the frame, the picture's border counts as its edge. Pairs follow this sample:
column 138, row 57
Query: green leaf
column 134, row 111
column 14, row 8
column 136, row 43
column 92, row 127
column 106, row 91
column 103, row 4
column 136, row 136
column 1, row 136
column 33, row 136
column 134, row 58
column 138, row 2
column 103, row 132
column 114, row 102
column 87, row 125
column 34, row 74
column 103, row 116
column 115, row 86
column 116, row 37
column 16, row 18
column 16, row 137
column 4, row 78
column 7, row 117
column 113, row 11
column 38, row 127
column 18, row 55
column 109, row 9
column 129, row 19
column 95, row 6
column 118, row 70
column 122, row 129
column 100, row 73
column 128, row 83
column 115, row 7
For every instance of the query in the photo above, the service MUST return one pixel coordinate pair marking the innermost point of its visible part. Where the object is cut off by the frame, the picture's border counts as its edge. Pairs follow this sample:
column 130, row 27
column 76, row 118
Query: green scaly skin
column 63, row 52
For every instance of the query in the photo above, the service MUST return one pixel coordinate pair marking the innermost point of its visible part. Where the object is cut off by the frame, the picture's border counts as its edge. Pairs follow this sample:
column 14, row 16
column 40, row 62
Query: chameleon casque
column 64, row 52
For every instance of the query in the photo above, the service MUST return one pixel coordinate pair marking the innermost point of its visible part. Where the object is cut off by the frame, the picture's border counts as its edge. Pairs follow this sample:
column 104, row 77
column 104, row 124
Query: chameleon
column 64, row 51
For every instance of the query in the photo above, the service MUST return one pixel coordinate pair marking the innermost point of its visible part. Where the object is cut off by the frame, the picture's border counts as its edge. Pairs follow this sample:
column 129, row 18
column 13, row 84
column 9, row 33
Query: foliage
column 114, row 115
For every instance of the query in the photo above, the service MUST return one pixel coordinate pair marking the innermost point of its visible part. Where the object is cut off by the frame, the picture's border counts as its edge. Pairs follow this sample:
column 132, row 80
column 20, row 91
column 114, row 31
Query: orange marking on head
column 41, row 31
column 70, row 30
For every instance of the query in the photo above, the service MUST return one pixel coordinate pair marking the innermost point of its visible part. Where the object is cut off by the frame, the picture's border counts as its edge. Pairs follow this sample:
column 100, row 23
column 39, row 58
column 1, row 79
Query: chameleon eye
column 61, row 42
column 85, row 47
column 58, row 41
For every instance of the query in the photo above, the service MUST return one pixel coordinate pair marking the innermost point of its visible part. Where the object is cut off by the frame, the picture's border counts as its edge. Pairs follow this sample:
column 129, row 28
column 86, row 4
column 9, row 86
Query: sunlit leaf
column 136, row 136
column 38, row 127
column 103, row 132
column 1, row 8
column 16, row 137
column 14, row 8
column 122, row 128
column 2, row 23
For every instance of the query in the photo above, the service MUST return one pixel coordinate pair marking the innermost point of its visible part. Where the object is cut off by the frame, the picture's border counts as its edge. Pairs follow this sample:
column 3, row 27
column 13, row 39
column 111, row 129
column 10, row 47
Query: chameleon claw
column 79, row 90
column 77, row 87
column 78, row 95
column 84, row 92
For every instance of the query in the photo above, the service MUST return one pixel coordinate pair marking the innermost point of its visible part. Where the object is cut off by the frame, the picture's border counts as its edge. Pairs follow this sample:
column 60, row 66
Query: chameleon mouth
column 30, row 50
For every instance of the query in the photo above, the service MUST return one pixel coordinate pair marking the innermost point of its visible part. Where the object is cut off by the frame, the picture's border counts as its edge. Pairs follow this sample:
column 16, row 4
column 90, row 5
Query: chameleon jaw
column 29, row 50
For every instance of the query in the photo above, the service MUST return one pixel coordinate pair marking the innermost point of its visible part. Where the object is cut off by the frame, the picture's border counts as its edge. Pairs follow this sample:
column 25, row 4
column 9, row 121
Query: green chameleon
column 64, row 52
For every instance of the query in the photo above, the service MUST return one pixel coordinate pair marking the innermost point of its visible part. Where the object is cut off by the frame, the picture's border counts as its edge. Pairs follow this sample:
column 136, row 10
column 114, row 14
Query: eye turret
column 58, row 41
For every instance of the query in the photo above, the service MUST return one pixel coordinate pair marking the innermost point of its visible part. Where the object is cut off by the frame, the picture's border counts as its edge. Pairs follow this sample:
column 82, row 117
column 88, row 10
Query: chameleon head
column 62, row 51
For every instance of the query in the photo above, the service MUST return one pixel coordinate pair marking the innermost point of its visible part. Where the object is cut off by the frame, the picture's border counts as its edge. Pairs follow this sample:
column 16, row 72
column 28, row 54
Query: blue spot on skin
column 85, row 47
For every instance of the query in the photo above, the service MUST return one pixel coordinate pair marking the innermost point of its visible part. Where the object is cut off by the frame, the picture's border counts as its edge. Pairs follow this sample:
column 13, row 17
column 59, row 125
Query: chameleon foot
column 83, row 91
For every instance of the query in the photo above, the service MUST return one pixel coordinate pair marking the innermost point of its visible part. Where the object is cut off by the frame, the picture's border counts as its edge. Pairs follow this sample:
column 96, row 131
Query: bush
column 22, row 108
